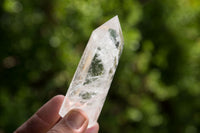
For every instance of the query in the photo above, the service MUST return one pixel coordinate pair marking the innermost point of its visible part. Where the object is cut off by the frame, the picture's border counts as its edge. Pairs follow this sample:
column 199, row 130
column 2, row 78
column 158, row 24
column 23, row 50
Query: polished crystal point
column 95, row 71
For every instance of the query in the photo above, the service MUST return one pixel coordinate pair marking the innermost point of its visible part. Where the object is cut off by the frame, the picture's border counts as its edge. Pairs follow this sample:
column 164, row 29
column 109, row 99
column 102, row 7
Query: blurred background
column 156, row 87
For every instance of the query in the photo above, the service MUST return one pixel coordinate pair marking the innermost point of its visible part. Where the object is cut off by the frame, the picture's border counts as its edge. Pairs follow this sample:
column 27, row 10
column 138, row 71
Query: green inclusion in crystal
column 85, row 95
column 113, row 35
column 96, row 69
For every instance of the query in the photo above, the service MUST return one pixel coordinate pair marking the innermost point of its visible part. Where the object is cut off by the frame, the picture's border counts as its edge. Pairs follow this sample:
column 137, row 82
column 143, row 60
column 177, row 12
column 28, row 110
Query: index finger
column 44, row 118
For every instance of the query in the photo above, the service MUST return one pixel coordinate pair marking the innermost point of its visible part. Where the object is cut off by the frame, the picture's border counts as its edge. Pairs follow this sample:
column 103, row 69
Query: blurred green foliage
column 156, row 86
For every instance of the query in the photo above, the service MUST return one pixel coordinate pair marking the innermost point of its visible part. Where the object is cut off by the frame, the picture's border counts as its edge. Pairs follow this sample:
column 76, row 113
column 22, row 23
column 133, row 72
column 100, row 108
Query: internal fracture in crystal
column 94, row 74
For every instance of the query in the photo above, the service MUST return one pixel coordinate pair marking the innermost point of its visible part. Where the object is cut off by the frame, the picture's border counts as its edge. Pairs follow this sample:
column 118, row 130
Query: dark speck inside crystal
column 111, row 71
column 99, row 48
column 113, row 36
column 85, row 95
column 117, row 44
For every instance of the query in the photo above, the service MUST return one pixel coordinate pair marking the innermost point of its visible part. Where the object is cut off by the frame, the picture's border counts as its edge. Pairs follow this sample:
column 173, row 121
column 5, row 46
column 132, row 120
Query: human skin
column 47, row 120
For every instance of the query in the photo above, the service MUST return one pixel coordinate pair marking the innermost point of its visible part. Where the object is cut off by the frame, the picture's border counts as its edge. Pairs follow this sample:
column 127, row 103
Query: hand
column 47, row 119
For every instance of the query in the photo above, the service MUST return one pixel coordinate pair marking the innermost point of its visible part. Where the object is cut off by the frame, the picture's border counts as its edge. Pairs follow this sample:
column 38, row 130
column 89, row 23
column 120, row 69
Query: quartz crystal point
column 95, row 71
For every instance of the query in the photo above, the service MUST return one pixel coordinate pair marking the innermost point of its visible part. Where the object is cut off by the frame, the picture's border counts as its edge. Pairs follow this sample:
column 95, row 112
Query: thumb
column 76, row 121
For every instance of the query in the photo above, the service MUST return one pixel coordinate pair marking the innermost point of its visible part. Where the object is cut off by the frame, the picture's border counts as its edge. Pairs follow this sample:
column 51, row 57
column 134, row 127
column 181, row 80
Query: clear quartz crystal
column 95, row 71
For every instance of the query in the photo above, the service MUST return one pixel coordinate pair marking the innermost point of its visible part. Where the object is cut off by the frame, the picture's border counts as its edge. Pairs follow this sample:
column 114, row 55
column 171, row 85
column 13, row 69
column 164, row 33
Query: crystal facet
column 95, row 71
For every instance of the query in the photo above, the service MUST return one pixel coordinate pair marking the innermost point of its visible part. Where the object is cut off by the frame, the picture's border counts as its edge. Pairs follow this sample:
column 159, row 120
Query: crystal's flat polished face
column 95, row 71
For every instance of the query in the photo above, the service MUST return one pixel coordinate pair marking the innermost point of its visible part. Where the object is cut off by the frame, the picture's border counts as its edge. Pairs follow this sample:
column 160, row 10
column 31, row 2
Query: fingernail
column 75, row 119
